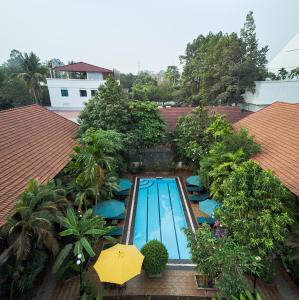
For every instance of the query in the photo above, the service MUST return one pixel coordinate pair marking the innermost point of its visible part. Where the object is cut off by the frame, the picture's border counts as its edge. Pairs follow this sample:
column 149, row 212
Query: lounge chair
column 116, row 231
column 197, row 198
column 192, row 188
column 121, row 193
column 202, row 220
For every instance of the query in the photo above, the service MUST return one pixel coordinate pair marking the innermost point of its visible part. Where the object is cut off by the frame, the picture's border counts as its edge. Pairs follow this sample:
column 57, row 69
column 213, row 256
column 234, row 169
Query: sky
column 133, row 35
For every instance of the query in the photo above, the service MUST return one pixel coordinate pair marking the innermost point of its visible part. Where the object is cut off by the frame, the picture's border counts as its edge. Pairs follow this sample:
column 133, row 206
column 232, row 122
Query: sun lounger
column 120, row 217
column 116, row 231
column 121, row 193
column 202, row 220
column 192, row 188
column 197, row 198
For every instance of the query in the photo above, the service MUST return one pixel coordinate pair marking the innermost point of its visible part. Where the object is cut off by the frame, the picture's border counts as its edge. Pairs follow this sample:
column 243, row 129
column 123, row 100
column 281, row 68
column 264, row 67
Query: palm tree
column 32, row 74
column 36, row 211
column 32, row 225
column 294, row 73
column 282, row 74
column 229, row 163
column 89, row 165
column 82, row 229
column 85, row 191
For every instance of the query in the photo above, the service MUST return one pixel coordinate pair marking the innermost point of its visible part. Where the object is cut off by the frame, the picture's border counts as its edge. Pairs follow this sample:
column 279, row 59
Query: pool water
column 160, row 215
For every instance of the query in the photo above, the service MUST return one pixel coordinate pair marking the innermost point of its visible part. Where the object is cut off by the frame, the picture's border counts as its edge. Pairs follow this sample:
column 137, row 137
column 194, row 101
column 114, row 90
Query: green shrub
column 155, row 257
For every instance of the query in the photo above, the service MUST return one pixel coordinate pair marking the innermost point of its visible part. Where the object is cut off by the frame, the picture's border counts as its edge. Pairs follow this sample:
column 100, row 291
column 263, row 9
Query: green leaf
column 87, row 247
column 110, row 238
column 95, row 231
column 77, row 248
column 61, row 257
column 68, row 232
column 71, row 216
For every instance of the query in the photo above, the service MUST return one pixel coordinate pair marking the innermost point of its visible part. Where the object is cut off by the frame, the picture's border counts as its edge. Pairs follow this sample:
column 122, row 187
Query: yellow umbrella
column 119, row 263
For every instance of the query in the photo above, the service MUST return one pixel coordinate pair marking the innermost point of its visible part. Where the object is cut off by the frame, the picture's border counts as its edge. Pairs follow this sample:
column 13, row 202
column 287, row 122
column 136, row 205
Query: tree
column 31, row 228
column 144, row 78
column 253, row 53
column 294, row 74
column 14, row 93
column 92, row 160
column 36, row 211
column 127, row 81
column 81, row 231
column 108, row 109
column 282, row 74
column 147, row 126
column 172, row 75
column 219, row 68
column 190, row 136
column 224, row 156
column 221, row 259
column 254, row 203
column 13, row 66
column 32, row 74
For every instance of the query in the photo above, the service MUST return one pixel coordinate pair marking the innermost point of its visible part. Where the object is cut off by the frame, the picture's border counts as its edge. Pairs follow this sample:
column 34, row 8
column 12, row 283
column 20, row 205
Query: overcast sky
column 133, row 35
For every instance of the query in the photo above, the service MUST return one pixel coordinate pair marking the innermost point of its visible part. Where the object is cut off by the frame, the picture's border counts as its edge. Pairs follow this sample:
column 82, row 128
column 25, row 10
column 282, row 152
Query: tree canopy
column 218, row 68
column 108, row 109
column 140, row 122
column 191, row 138
column 254, row 203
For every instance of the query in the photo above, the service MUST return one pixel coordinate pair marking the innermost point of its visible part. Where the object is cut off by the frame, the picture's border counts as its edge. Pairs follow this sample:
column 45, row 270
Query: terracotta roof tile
column 34, row 143
column 172, row 114
column 276, row 129
column 82, row 67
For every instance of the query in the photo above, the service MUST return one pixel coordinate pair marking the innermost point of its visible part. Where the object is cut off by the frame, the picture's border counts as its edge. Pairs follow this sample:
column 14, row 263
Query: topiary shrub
column 155, row 257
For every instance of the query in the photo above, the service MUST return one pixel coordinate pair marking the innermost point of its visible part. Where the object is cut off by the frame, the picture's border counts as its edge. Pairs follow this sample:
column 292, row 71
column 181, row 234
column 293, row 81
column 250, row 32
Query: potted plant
column 155, row 258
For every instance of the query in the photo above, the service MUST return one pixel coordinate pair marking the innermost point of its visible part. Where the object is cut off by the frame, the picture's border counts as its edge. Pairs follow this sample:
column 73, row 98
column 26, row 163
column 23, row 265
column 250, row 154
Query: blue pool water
column 160, row 216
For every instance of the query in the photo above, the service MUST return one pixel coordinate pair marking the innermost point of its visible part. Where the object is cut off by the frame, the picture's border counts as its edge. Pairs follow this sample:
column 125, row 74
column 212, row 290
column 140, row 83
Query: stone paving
column 172, row 283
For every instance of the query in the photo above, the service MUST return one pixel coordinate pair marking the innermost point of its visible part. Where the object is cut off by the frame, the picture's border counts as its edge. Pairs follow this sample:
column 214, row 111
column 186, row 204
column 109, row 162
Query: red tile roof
column 276, row 129
column 172, row 114
column 34, row 143
column 82, row 67
column 68, row 114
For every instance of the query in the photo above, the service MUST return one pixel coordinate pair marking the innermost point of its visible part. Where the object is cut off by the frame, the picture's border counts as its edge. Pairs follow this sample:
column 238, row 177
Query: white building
column 288, row 57
column 72, row 85
column 269, row 91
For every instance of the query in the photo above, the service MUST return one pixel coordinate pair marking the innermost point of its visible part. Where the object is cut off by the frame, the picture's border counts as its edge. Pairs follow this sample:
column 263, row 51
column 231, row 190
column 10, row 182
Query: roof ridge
column 82, row 62
column 19, row 107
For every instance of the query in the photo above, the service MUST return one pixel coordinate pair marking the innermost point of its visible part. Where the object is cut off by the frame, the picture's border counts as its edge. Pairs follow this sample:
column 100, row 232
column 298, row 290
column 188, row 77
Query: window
column 64, row 93
column 83, row 93
column 93, row 92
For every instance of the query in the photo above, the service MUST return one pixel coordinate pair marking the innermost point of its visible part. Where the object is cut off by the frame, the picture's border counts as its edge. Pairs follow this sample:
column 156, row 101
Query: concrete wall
column 267, row 92
column 73, row 100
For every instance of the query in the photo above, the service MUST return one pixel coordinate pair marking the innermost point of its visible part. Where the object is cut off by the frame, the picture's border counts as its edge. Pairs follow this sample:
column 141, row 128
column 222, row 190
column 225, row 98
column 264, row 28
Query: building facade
column 70, row 86
column 270, row 91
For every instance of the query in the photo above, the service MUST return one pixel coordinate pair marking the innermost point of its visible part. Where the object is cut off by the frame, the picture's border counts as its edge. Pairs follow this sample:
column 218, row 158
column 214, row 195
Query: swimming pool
column 160, row 215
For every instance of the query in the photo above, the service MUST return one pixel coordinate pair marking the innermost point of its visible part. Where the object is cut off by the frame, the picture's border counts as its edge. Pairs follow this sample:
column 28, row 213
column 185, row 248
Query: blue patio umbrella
column 124, row 184
column 208, row 206
column 194, row 180
column 110, row 209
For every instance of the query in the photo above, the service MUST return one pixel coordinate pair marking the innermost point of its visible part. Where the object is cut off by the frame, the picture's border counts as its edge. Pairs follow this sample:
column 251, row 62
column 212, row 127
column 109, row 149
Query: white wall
column 73, row 86
column 288, row 57
column 267, row 92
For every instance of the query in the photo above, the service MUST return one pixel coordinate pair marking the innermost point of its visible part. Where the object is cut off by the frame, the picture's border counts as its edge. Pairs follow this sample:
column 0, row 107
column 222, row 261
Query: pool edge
column 127, row 238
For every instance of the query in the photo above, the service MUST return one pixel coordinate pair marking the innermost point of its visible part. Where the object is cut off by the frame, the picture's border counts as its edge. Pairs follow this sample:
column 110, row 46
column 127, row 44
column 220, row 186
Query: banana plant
column 82, row 229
